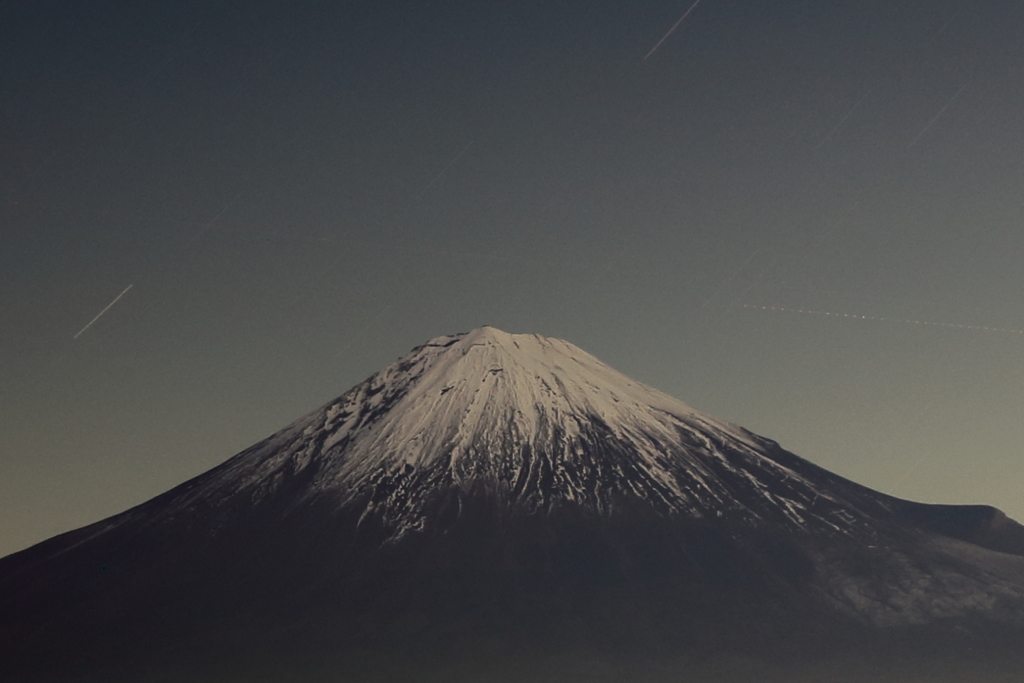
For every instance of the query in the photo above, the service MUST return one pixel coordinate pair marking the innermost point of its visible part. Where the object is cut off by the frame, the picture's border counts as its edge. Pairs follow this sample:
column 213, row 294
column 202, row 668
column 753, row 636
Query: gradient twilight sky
column 300, row 192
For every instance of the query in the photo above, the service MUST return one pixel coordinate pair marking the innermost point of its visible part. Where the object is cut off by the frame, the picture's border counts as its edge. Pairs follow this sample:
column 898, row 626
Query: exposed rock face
column 513, row 490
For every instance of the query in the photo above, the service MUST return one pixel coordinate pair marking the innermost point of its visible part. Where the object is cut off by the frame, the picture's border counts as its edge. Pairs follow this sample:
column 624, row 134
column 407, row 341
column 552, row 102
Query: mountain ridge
column 511, row 484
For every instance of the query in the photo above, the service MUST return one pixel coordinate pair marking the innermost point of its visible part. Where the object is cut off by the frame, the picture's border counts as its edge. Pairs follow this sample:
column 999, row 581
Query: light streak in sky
column 116, row 299
column 674, row 27
column 892, row 489
column 209, row 224
column 843, row 120
column 908, row 321
column 730, row 278
column 445, row 169
column 936, row 118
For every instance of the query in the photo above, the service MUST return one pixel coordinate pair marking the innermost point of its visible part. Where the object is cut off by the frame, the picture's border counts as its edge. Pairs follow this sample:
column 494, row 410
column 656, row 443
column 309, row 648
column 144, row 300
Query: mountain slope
column 509, row 487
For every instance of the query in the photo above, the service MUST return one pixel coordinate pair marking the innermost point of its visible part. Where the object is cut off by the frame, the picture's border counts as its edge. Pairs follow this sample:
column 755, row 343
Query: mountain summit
column 515, row 491
column 537, row 423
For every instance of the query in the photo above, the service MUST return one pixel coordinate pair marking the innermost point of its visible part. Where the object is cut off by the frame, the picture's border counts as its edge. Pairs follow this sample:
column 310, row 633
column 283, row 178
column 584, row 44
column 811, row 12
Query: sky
column 803, row 217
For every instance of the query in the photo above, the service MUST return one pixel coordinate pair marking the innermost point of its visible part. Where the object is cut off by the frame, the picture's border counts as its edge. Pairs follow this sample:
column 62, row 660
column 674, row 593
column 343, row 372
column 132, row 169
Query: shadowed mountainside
column 508, row 507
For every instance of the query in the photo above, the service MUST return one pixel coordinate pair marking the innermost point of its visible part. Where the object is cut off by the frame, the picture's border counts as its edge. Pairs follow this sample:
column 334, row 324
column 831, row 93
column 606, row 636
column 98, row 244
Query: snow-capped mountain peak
column 536, row 422
column 493, row 482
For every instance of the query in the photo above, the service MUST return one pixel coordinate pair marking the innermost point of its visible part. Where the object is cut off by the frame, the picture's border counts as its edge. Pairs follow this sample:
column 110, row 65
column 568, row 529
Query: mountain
column 506, row 507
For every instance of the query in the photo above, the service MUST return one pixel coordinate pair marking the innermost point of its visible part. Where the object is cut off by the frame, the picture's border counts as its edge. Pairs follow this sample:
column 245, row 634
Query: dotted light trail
column 907, row 321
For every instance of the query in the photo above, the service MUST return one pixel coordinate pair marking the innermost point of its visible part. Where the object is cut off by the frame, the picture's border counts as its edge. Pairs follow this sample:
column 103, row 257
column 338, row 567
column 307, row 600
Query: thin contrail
column 730, row 278
column 209, row 224
column 843, row 120
column 925, row 129
column 892, row 489
column 674, row 27
column 104, row 311
column 445, row 169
